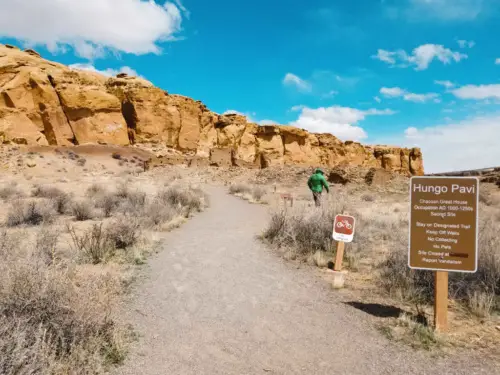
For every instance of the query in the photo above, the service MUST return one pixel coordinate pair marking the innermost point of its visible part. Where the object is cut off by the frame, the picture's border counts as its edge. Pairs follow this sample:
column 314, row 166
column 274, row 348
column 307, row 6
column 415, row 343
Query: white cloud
column 377, row 99
column 445, row 10
column 497, row 61
column 296, row 108
column 91, row 27
column 421, row 57
column 392, row 92
column 446, row 84
column 339, row 121
column 329, row 94
column 397, row 92
column 464, row 145
column 107, row 72
column 478, row 92
column 466, row 43
column 294, row 80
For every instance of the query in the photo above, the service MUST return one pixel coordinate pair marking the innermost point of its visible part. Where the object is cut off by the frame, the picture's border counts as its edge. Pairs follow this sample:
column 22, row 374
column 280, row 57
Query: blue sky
column 402, row 72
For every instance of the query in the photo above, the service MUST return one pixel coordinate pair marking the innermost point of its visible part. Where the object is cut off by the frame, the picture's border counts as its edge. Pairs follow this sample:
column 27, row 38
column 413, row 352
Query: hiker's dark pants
column 317, row 198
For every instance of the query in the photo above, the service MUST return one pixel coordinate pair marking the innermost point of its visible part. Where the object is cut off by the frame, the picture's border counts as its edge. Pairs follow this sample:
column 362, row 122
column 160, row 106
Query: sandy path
column 215, row 301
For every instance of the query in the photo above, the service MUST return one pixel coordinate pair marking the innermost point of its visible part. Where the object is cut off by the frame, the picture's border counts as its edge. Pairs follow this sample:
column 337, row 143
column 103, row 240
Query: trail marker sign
column 443, row 223
column 343, row 228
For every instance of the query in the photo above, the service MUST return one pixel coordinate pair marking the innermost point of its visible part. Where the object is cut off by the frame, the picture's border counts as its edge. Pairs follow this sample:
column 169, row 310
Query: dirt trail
column 215, row 301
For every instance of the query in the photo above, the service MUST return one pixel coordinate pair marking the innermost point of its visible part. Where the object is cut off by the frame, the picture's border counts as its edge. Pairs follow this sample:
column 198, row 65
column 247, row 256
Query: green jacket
column 316, row 183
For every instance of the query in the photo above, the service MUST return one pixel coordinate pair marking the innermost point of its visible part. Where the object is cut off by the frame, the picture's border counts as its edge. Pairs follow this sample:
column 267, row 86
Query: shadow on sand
column 386, row 311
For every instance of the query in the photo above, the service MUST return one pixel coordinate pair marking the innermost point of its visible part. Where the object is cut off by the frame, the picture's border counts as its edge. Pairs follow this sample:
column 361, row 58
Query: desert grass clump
column 30, row 213
column 108, row 203
column 187, row 199
column 50, row 192
column 239, row 188
column 95, row 190
column 478, row 291
column 54, row 320
column 158, row 213
column 124, row 232
column 82, row 210
column 11, row 191
column 305, row 230
column 62, row 203
column 95, row 244
column 46, row 244
column 258, row 193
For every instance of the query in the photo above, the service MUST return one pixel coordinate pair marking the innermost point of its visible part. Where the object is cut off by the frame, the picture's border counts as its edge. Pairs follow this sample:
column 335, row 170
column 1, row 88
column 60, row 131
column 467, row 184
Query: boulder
column 221, row 157
column 378, row 177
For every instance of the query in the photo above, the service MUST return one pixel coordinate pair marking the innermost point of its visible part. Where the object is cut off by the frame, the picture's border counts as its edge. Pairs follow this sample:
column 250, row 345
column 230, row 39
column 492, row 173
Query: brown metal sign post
column 443, row 232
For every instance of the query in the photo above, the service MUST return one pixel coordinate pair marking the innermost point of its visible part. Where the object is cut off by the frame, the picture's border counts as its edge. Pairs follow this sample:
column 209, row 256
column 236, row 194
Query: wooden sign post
column 441, row 301
column 343, row 231
column 443, row 232
column 339, row 257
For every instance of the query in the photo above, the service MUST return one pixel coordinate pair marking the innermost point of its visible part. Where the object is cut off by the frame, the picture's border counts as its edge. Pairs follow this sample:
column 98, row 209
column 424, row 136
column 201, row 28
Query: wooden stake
column 339, row 257
column 441, row 301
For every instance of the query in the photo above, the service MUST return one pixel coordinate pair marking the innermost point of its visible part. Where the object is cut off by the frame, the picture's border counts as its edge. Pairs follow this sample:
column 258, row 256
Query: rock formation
column 46, row 103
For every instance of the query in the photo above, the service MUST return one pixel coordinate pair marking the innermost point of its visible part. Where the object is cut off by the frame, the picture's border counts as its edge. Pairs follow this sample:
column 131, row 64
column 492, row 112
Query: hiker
column 316, row 184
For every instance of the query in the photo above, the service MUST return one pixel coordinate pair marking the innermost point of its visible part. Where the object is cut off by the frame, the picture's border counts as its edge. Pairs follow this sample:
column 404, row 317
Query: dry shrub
column 124, row 232
column 30, row 213
column 305, row 230
column 368, row 198
column 158, row 213
column 11, row 192
column 94, row 244
column 41, row 191
column 239, row 189
column 46, row 243
column 95, row 190
column 247, row 191
column 53, row 320
column 188, row 199
column 62, row 203
column 108, row 203
column 82, row 210
column 479, row 291
column 258, row 193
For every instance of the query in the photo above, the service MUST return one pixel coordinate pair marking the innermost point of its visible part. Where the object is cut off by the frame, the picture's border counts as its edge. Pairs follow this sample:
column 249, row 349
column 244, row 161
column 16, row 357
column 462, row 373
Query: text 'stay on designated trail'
column 443, row 223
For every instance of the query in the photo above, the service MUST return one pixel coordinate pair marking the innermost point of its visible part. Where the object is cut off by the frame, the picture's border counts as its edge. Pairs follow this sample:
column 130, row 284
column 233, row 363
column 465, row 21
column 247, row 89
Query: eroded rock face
column 42, row 103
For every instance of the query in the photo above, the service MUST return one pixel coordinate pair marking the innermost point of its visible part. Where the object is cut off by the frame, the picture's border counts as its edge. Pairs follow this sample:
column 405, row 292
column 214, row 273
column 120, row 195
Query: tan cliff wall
column 46, row 103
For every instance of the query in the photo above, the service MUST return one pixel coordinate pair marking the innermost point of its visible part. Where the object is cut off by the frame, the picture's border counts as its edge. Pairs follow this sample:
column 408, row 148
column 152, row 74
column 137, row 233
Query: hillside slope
column 46, row 103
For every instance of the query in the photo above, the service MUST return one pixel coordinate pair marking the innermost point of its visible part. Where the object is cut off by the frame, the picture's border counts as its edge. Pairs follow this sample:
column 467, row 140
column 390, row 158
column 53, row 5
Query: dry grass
column 189, row 200
column 479, row 291
column 252, row 193
column 381, row 240
column 124, row 232
column 303, row 229
column 95, row 190
column 83, row 210
column 95, row 244
column 41, row 191
column 57, row 296
column 108, row 203
column 30, row 213
column 11, row 191
column 53, row 320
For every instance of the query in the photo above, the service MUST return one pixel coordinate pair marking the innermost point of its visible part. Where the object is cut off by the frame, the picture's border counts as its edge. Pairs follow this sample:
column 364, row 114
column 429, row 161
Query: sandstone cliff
column 46, row 103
